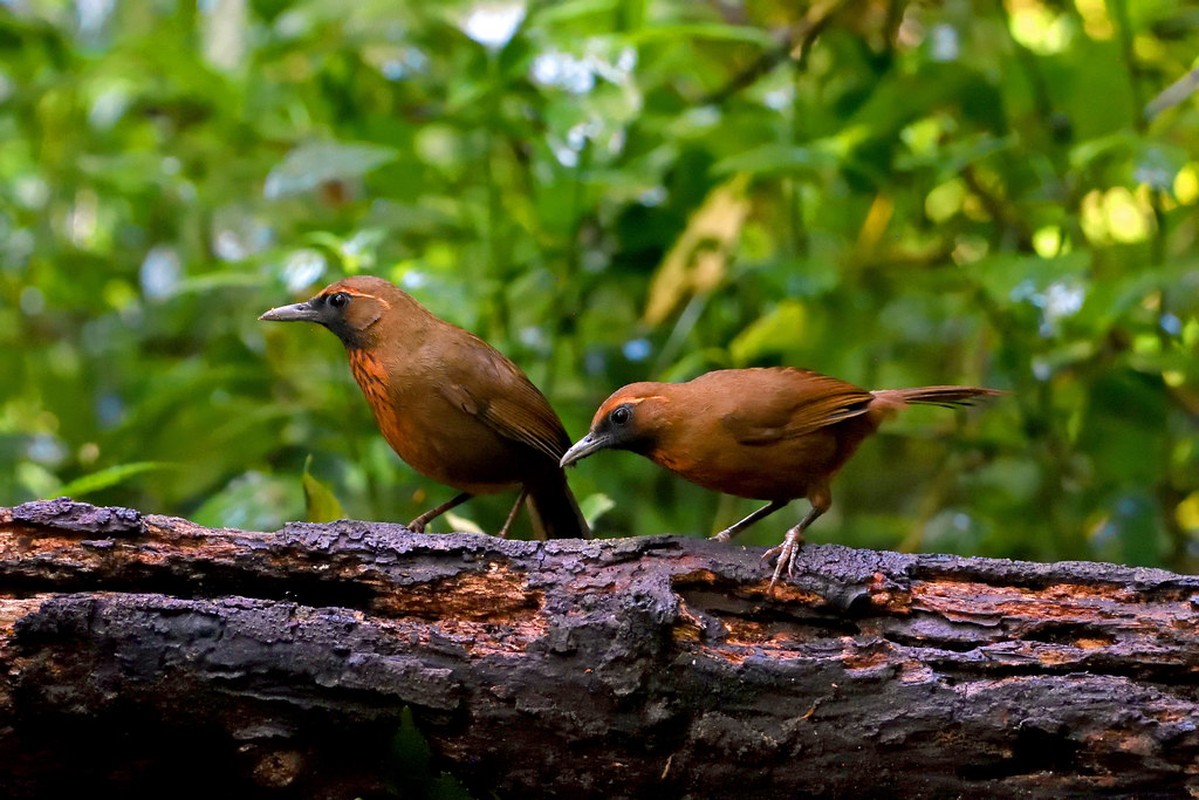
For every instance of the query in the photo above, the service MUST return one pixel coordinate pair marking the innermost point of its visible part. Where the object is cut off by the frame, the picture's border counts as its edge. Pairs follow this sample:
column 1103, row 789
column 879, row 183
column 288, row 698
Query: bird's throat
column 371, row 375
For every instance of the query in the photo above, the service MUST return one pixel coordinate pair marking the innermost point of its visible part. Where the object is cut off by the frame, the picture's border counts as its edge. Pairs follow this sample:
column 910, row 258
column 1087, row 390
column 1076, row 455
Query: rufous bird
column 775, row 434
column 452, row 406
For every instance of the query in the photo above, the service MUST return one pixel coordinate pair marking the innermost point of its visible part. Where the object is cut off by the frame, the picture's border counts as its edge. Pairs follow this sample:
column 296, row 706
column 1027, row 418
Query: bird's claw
column 416, row 525
column 723, row 536
column 787, row 553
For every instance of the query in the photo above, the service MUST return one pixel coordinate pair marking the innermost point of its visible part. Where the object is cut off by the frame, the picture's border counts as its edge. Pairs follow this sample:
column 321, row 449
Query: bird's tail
column 945, row 396
column 553, row 509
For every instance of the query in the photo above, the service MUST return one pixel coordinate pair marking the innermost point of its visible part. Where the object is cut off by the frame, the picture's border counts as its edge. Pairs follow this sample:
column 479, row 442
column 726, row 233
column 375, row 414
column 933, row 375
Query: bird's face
column 350, row 308
column 631, row 419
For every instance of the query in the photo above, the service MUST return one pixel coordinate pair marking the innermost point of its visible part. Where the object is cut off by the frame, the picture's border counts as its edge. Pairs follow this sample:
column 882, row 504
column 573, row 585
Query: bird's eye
column 339, row 300
column 621, row 415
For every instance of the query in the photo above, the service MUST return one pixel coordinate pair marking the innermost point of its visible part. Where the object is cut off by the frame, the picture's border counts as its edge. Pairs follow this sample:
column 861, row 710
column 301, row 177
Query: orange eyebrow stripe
column 632, row 401
column 352, row 293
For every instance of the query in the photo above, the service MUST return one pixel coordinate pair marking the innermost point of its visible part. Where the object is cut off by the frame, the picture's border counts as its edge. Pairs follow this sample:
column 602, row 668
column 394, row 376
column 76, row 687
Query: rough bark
column 155, row 656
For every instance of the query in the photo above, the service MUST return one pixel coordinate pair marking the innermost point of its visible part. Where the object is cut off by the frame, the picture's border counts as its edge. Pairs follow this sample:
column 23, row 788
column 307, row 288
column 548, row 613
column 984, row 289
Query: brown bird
column 452, row 406
column 773, row 434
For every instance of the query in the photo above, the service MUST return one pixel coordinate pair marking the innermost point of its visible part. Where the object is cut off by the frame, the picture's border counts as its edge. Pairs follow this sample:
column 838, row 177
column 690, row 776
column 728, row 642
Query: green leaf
column 110, row 476
column 252, row 501
column 595, row 506
column 713, row 31
column 462, row 524
column 312, row 164
column 320, row 504
column 1114, row 145
column 777, row 332
column 214, row 281
column 772, row 159
column 570, row 11
column 410, row 765
column 411, row 755
column 1014, row 278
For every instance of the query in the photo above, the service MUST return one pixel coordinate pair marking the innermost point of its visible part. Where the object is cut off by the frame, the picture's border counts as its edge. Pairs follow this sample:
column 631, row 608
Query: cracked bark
column 155, row 656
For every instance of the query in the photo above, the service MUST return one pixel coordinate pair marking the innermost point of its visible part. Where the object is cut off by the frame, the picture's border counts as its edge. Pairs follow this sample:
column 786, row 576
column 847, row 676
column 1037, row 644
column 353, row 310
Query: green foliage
column 410, row 766
column 610, row 191
column 107, row 477
column 320, row 504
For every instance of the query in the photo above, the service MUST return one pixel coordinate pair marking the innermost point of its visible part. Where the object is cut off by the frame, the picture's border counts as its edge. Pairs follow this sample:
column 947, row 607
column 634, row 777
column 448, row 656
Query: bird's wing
column 767, row 411
column 484, row 383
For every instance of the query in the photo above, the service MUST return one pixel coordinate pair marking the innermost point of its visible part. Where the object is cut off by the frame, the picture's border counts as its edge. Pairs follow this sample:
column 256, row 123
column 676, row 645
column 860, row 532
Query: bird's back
column 762, row 433
column 772, row 433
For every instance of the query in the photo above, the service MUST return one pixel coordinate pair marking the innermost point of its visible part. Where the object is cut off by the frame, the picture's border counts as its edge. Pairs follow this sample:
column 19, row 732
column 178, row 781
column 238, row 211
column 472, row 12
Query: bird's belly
column 753, row 482
column 456, row 452
column 437, row 439
column 781, row 470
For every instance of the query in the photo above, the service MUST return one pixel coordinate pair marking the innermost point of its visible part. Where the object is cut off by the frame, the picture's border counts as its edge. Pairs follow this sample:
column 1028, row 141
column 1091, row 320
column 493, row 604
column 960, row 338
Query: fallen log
column 150, row 655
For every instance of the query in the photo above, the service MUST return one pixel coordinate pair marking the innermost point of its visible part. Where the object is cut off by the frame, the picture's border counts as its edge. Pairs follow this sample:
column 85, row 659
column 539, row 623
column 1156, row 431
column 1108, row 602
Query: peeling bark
column 152, row 655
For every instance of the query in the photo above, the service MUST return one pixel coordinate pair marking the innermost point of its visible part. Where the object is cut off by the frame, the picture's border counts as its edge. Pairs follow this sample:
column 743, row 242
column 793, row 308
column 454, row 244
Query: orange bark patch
column 485, row 614
column 1092, row 643
column 970, row 601
column 783, row 591
column 886, row 595
column 15, row 608
column 859, row 659
column 697, row 577
column 499, row 595
column 1064, row 623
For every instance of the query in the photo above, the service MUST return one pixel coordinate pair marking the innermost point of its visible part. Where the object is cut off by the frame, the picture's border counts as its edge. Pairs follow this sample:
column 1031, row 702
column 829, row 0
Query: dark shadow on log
column 153, row 656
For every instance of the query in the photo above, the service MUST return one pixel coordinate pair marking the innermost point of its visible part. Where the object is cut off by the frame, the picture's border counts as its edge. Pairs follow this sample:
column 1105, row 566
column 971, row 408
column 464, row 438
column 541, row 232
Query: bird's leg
column 788, row 551
column 520, row 498
column 737, row 527
column 418, row 525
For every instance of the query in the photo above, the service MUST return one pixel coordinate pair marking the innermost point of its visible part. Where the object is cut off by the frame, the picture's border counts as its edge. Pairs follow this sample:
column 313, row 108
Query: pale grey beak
column 296, row 312
column 585, row 447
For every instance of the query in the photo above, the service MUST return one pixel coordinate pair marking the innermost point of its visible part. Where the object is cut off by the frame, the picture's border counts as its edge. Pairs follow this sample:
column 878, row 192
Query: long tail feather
column 553, row 508
column 944, row 396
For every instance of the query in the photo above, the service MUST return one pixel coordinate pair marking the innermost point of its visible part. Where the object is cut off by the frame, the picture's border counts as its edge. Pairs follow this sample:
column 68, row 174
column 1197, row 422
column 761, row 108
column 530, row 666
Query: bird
column 766, row 433
column 454, row 408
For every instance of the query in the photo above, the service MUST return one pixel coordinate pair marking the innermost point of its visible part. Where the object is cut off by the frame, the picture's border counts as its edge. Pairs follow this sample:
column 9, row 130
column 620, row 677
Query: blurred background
column 894, row 193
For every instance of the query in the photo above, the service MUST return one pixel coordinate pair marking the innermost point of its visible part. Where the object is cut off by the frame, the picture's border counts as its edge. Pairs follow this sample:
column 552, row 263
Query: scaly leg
column 788, row 551
column 418, row 525
column 737, row 527
column 520, row 498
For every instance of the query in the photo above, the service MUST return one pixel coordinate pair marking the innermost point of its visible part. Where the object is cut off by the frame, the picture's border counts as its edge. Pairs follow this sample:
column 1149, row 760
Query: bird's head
column 350, row 308
column 631, row 419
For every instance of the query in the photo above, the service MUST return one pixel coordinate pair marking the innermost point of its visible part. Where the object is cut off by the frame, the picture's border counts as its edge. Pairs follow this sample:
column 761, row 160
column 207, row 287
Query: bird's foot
column 724, row 536
column 417, row 525
column 787, row 553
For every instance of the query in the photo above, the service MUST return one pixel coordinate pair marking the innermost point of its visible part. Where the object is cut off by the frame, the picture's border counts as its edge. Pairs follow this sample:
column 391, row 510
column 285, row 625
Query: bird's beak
column 296, row 312
column 585, row 447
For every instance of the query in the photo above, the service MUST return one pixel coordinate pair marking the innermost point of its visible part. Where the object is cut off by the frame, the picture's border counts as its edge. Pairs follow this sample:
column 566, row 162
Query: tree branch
column 795, row 45
column 155, row 655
